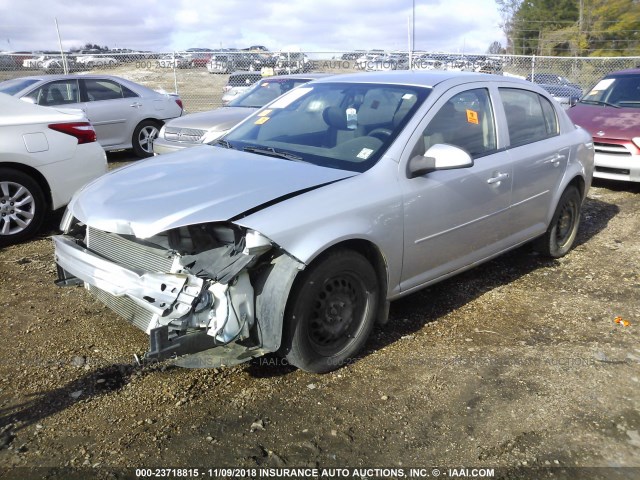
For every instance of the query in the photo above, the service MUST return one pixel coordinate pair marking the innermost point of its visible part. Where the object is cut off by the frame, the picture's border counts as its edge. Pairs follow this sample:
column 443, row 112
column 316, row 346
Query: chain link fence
column 202, row 77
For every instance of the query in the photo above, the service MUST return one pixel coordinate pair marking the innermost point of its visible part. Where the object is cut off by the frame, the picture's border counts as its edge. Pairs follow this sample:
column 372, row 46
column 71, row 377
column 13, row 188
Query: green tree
column 536, row 18
column 614, row 28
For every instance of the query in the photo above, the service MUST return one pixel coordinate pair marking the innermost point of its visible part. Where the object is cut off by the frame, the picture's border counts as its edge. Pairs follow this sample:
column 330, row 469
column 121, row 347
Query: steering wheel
column 381, row 134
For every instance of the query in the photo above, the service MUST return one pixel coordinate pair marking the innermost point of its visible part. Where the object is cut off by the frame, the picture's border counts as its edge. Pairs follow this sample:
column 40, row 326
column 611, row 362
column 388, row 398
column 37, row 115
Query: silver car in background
column 202, row 127
column 123, row 113
column 294, row 232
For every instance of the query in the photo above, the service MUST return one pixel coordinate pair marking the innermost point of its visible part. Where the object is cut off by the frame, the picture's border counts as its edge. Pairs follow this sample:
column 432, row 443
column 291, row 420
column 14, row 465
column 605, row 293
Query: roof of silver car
column 412, row 77
column 61, row 76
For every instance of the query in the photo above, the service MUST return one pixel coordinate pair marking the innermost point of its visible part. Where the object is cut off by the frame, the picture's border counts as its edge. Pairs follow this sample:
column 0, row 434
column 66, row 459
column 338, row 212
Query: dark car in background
column 561, row 88
column 231, row 61
column 611, row 113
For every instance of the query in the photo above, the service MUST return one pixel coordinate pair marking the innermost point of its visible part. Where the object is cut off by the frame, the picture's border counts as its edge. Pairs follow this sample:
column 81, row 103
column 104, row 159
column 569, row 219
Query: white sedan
column 91, row 61
column 46, row 154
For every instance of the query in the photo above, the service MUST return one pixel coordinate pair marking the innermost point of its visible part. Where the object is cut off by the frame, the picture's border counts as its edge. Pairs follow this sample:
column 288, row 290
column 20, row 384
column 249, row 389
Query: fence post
column 175, row 74
column 533, row 67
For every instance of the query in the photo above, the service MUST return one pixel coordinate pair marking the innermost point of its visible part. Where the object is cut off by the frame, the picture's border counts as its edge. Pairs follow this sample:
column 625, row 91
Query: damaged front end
column 215, row 288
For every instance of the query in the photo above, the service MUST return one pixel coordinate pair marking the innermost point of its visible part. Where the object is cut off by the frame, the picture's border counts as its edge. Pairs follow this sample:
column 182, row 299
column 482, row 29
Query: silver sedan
column 123, row 113
column 296, row 230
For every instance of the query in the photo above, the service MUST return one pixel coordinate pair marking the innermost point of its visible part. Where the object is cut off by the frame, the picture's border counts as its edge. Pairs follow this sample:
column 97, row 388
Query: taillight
column 83, row 131
column 179, row 102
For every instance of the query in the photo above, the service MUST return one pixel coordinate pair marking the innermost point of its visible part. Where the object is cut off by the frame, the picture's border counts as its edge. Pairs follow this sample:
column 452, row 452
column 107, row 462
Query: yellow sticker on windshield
column 261, row 120
column 472, row 116
column 264, row 113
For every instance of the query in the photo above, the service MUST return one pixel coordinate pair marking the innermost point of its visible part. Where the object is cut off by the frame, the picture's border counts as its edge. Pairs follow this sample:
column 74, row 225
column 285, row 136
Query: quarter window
column 530, row 116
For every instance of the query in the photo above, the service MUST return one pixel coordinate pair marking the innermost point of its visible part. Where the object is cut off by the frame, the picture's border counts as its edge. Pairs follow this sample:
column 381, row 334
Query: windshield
column 11, row 87
column 338, row 125
column 620, row 91
column 265, row 91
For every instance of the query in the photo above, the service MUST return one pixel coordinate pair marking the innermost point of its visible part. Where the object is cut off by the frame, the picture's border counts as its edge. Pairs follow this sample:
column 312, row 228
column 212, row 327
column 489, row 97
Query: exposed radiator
column 131, row 255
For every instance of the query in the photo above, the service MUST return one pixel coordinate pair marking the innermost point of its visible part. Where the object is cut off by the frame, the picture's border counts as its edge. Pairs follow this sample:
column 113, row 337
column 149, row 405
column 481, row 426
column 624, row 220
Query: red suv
column 611, row 113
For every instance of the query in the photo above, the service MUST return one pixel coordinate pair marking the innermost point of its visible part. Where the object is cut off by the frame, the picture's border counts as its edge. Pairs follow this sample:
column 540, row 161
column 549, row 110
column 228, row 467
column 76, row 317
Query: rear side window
column 530, row 116
column 103, row 89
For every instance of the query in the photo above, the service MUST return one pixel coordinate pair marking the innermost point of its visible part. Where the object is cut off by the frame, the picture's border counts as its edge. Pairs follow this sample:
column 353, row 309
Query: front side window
column 60, row 92
column 338, row 125
column 466, row 120
column 530, row 116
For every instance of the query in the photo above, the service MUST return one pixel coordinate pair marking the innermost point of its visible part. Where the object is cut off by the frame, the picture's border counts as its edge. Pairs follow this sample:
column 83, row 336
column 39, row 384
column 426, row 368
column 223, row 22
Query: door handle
column 555, row 160
column 498, row 178
column 136, row 105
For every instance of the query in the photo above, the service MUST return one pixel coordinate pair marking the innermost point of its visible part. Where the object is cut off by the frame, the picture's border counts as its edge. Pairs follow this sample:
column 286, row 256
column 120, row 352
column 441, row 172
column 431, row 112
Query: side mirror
column 441, row 156
column 28, row 100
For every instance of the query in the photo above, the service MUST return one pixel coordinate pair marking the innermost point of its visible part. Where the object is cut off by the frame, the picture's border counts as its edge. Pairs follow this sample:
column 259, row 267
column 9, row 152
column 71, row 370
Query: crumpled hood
column 615, row 123
column 217, row 120
column 197, row 185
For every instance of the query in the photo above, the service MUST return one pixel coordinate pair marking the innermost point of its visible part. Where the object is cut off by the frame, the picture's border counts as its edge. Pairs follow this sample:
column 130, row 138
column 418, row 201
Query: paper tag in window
column 603, row 84
column 261, row 120
column 264, row 113
column 472, row 116
column 365, row 153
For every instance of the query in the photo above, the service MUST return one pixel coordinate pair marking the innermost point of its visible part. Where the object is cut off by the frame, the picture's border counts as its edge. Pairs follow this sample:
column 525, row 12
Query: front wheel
column 331, row 312
column 22, row 206
column 563, row 229
column 143, row 136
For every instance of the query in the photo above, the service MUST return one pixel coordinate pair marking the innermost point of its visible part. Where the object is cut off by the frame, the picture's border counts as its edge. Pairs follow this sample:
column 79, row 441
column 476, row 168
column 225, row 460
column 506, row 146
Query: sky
column 451, row 26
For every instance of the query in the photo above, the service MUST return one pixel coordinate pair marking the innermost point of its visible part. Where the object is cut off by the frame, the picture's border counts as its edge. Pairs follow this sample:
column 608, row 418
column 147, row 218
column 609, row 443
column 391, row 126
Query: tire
column 22, row 206
column 330, row 312
column 143, row 136
column 563, row 229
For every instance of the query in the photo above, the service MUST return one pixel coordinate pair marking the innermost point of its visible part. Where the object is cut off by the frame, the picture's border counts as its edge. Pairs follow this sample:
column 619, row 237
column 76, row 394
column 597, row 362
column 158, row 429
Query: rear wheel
column 563, row 229
column 331, row 312
column 143, row 136
column 22, row 206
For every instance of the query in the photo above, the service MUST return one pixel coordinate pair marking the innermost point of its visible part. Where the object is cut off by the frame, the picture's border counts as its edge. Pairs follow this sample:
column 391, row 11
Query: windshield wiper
column 223, row 143
column 599, row 102
column 272, row 152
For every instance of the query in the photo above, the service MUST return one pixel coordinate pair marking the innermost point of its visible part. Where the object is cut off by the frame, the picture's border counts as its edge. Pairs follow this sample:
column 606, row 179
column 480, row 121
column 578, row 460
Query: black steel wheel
column 563, row 229
column 330, row 312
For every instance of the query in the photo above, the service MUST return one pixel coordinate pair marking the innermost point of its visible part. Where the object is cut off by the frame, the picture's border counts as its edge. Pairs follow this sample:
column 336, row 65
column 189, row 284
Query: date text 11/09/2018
column 321, row 473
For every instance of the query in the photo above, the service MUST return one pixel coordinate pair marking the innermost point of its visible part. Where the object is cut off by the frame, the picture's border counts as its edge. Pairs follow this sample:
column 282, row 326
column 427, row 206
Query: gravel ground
column 516, row 365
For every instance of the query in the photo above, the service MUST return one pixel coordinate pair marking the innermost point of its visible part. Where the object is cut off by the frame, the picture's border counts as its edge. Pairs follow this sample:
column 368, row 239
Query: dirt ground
column 517, row 366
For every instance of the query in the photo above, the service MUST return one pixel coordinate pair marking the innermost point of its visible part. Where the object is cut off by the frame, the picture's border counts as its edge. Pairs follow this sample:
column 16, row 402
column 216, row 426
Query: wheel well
column 371, row 252
column 154, row 120
column 578, row 182
column 36, row 175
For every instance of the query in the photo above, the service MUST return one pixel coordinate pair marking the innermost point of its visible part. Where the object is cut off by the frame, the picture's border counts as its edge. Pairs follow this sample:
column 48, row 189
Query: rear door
column 113, row 109
column 539, row 156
